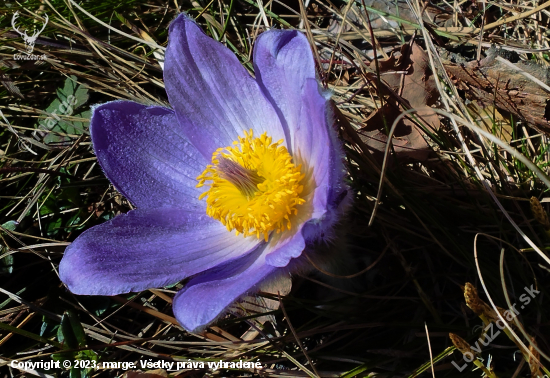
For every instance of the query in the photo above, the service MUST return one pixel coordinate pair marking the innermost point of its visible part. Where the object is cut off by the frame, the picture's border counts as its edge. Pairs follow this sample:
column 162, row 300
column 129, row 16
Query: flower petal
column 283, row 62
column 148, row 248
column 319, row 148
column 206, row 296
column 285, row 70
column 145, row 154
column 283, row 250
column 214, row 97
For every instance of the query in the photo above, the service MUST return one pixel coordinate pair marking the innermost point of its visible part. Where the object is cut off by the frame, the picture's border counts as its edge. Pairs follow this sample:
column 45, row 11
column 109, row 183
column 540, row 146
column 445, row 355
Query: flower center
column 255, row 187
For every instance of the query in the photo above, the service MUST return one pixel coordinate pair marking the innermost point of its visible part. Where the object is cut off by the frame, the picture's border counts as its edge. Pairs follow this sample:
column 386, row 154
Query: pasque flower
column 231, row 184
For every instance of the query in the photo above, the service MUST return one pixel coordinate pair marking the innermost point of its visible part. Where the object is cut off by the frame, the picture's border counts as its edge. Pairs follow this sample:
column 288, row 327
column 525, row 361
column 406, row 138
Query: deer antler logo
column 29, row 40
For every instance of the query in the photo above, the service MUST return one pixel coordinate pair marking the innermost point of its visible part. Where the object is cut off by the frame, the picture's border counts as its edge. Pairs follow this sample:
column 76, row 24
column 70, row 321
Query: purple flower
column 230, row 185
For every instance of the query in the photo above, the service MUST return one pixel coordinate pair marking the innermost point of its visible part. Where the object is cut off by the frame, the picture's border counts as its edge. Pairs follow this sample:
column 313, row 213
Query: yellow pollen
column 254, row 186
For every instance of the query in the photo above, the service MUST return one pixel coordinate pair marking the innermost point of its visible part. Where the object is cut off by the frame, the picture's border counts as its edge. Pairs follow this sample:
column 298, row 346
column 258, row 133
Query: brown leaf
column 407, row 141
column 388, row 64
column 418, row 90
column 419, row 87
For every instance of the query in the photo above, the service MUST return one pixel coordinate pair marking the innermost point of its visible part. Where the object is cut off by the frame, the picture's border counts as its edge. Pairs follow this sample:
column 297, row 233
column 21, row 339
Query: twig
column 430, row 349
column 520, row 16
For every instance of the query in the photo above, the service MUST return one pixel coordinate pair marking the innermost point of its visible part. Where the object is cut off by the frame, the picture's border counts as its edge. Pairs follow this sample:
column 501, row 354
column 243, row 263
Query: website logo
column 29, row 40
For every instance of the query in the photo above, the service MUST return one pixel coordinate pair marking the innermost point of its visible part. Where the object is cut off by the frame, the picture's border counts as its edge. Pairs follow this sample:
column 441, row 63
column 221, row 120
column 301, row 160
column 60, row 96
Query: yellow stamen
column 255, row 187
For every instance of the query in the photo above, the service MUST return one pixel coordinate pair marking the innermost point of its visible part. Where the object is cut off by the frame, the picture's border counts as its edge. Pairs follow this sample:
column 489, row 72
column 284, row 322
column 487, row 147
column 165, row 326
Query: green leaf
column 65, row 333
column 69, row 98
column 48, row 207
column 10, row 225
column 77, row 329
column 79, row 91
column 53, row 226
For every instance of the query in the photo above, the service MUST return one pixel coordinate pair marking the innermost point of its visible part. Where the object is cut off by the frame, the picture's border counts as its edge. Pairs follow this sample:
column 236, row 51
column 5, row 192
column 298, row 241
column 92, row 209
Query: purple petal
column 206, row 296
column 285, row 70
column 213, row 95
column 284, row 250
column 145, row 154
column 148, row 248
column 283, row 62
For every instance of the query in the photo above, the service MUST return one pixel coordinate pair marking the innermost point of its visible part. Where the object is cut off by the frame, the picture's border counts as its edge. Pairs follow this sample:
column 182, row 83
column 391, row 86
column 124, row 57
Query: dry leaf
column 388, row 64
column 417, row 89
column 407, row 141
